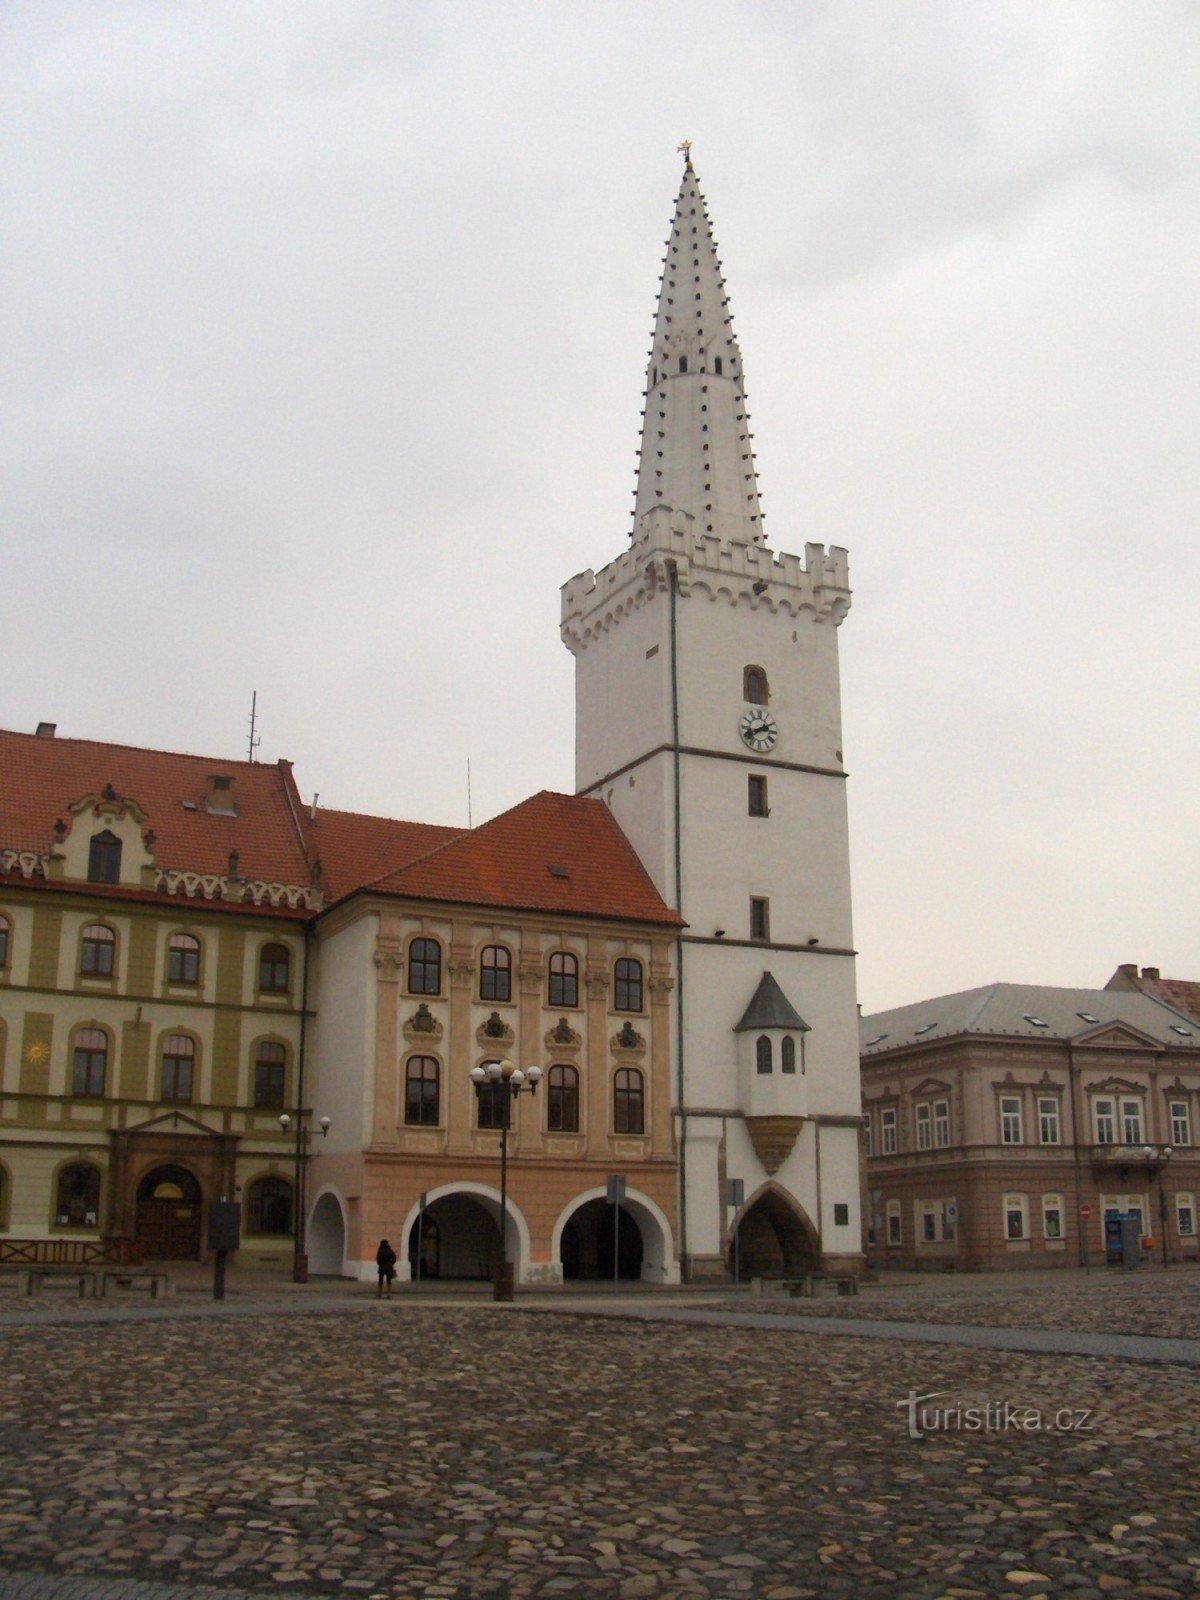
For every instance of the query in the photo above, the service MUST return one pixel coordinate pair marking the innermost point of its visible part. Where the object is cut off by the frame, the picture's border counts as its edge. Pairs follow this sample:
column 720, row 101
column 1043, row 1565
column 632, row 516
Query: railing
column 69, row 1253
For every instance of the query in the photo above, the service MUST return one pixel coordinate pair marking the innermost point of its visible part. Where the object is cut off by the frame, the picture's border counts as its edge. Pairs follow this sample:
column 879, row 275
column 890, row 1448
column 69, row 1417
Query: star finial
column 686, row 148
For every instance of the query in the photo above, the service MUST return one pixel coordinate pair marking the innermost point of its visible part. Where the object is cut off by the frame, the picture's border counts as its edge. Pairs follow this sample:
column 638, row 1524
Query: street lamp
column 299, row 1254
column 502, row 1082
column 1159, row 1158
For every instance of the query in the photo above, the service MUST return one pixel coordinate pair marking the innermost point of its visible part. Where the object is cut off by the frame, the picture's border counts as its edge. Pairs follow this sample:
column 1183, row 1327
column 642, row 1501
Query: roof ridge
column 139, row 749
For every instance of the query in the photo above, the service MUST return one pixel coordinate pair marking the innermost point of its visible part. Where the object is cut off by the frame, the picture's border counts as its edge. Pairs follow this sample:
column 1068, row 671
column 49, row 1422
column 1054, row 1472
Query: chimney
column 46, row 730
column 1128, row 969
column 218, row 796
column 1152, row 973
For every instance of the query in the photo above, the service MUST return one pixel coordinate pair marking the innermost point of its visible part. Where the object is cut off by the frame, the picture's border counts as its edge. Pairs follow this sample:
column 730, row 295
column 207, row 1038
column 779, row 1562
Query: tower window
column 717, row 365
column 762, row 1055
column 760, row 918
column 754, row 687
column 756, row 790
column 683, row 363
column 104, row 858
column 788, row 1052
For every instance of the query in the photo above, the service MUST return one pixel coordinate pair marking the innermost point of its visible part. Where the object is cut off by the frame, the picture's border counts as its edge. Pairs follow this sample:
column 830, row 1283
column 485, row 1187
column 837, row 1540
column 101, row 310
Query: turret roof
column 771, row 1008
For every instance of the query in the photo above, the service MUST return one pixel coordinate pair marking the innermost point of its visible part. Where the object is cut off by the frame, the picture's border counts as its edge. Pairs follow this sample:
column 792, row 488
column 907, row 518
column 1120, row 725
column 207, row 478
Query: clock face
column 758, row 729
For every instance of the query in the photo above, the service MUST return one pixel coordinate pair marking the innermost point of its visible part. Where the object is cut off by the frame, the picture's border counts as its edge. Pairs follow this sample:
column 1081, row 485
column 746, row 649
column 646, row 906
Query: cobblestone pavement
column 1163, row 1305
column 413, row 1450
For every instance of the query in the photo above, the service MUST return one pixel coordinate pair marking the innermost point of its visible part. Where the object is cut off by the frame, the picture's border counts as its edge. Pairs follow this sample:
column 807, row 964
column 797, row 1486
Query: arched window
column 77, row 1200
column 495, row 973
column 424, row 967
column 754, row 687
column 562, row 1109
column 492, row 1101
column 183, row 959
column 628, row 986
column 178, row 1062
column 421, row 1080
column 270, row 1071
column 104, row 858
column 564, row 979
column 3, row 941
column 89, row 1062
column 99, row 948
column 762, row 1054
column 274, row 968
column 787, row 1053
column 269, row 1206
column 629, row 1109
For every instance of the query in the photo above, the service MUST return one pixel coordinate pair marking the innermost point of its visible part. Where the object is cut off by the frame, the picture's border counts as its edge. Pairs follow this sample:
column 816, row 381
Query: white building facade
column 708, row 719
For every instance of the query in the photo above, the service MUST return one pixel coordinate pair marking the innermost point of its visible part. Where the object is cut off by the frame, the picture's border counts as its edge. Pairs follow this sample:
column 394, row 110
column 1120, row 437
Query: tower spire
column 696, row 453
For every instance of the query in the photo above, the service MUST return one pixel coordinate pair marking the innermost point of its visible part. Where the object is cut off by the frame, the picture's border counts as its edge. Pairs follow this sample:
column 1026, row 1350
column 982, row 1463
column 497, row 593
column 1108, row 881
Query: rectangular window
column 893, row 1222
column 757, row 796
column 867, row 1141
column 760, row 918
column 887, row 1128
column 1052, row 1216
column 941, row 1123
column 930, row 1218
column 1185, row 1215
column 1181, row 1122
column 1014, row 1217
column 1010, row 1120
column 1048, row 1120
column 1131, row 1122
column 924, row 1128
column 1105, row 1122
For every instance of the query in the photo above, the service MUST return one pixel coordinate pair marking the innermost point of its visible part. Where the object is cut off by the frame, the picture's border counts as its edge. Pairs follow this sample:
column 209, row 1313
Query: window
column 1185, row 1215
column 628, row 990
column 787, row 1054
column 183, row 958
column 270, row 1064
column 717, row 365
column 754, row 687
column 99, row 947
column 1015, row 1217
column 495, row 973
column 178, row 1060
column 931, row 1216
column 564, row 979
column 89, row 1062
column 757, row 796
column 683, row 363
column 425, row 967
column 887, row 1130
column 77, row 1202
column 1131, row 1122
column 941, row 1123
column 3, row 941
column 1010, row 1120
column 868, row 1140
column 629, row 1112
column 762, row 1055
column 1105, row 1122
column 562, row 1109
column 924, row 1128
column 1177, row 1110
column 492, row 1100
column 1048, row 1120
column 273, row 967
column 760, row 918
column 893, row 1222
column 269, row 1206
column 422, row 1077
column 1052, row 1216
column 104, row 858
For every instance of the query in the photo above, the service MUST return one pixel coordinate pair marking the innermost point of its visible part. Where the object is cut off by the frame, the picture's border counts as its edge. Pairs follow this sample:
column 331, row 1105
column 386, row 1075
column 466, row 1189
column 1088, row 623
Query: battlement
column 720, row 569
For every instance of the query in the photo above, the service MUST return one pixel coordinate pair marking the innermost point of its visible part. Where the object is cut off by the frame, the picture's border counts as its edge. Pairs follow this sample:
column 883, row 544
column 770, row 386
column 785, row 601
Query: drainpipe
column 1079, row 1222
column 300, row 1253
column 673, row 582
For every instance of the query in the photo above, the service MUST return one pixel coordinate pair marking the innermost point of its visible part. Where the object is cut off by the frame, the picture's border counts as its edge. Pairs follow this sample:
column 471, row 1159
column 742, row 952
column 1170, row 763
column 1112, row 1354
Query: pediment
column 1117, row 1086
column 1116, row 1036
column 928, row 1086
column 172, row 1122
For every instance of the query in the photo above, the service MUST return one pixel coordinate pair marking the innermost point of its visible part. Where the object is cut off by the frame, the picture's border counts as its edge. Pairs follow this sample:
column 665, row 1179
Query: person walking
column 385, row 1263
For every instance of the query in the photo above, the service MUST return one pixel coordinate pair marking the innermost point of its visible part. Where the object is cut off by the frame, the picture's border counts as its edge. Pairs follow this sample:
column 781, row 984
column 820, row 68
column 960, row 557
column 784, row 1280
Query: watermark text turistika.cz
column 925, row 1416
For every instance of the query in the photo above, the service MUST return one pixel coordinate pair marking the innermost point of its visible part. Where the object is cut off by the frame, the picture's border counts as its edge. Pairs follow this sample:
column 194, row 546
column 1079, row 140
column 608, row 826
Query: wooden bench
column 32, row 1280
column 110, row 1278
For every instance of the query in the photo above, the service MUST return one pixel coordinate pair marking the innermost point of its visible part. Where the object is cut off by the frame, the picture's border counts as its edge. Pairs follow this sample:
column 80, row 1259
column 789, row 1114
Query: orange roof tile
column 40, row 778
column 557, row 853
column 354, row 849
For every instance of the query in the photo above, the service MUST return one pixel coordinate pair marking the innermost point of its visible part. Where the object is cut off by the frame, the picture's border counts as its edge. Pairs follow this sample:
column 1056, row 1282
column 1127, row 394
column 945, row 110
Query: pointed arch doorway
column 168, row 1216
column 775, row 1239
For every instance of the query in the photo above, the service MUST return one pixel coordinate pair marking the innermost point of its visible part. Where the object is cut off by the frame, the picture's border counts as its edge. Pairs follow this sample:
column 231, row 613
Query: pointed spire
column 697, row 454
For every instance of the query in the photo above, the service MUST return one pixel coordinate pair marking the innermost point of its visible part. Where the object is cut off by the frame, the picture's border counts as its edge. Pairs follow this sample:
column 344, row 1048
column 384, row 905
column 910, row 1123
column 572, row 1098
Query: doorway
column 169, row 1212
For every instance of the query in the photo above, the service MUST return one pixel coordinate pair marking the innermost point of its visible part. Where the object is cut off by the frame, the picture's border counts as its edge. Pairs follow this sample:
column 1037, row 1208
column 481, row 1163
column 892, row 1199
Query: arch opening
column 775, row 1239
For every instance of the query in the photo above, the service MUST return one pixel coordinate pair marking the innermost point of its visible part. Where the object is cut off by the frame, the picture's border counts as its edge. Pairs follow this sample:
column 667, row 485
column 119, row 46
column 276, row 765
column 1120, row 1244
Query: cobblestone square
column 407, row 1449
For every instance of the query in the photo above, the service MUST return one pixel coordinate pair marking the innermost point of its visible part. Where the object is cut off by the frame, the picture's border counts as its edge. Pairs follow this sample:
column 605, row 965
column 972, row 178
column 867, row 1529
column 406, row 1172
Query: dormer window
column 104, row 858
column 754, row 687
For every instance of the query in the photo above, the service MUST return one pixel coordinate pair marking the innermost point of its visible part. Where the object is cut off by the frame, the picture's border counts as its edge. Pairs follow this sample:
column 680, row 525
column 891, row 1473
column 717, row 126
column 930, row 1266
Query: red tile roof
column 554, row 852
column 40, row 778
column 354, row 849
column 1181, row 993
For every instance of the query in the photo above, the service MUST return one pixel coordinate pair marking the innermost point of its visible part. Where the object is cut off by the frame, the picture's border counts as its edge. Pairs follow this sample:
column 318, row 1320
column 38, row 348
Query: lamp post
column 502, row 1082
column 299, row 1254
column 1159, row 1159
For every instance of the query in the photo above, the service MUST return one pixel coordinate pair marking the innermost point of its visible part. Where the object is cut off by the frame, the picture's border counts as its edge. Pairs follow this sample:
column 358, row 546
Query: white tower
column 708, row 718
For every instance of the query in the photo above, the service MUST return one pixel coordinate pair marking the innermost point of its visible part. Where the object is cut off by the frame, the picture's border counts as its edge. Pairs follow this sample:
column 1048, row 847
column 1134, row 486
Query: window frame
column 1014, row 1205
column 62, row 1214
column 562, row 1098
column 427, row 1097
column 184, row 945
column 764, row 1055
column 756, row 795
column 1052, row 1205
column 628, row 985
column 270, row 1075
column 1049, row 1111
column 557, row 981
column 255, row 1207
column 923, row 1123
column 941, row 1124
column 888, row 1136
column 1179, row 1115
column 1185, row 1204
column 629, row 1101
column 423, row 966
column 104, row 857
column 787, row 1055
column 90, row 1052
column 1135, row 1121
column 5, row 940
column 755, row 683
column 760, row 919
column 1012, row 1119
column 177, row 1058
column 494, row 970
column 1104, row 1118
column 270, row 965
column 497, row 1095
column 894, row 1235
column 90, row 963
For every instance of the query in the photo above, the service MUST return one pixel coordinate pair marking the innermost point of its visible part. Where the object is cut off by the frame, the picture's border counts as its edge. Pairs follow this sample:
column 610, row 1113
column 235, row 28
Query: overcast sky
column 323, row 336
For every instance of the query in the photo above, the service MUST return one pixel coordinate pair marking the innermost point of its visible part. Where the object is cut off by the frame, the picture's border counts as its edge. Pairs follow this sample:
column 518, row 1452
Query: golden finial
column 686, row 148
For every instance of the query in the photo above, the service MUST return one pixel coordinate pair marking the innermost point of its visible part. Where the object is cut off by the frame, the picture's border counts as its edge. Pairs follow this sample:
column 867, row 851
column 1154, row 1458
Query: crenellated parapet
column 705, row 566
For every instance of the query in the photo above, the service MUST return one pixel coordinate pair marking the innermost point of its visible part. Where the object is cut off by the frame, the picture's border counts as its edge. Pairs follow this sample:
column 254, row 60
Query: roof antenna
column 469, row 823
column 255, row 739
